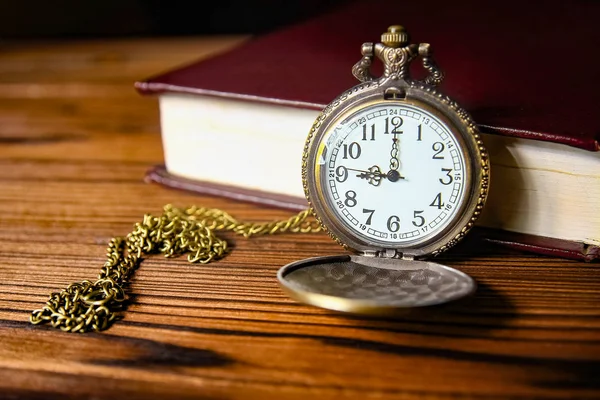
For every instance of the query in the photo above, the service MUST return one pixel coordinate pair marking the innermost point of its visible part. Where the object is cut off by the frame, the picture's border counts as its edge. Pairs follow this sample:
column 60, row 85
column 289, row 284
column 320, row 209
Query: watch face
column 392, row 174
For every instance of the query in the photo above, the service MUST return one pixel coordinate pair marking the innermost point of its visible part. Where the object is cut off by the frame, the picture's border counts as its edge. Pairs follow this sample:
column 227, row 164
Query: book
column 235, row 124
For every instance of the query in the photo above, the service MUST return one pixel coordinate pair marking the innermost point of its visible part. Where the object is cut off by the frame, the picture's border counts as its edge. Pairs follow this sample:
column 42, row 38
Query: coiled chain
column 94, row 306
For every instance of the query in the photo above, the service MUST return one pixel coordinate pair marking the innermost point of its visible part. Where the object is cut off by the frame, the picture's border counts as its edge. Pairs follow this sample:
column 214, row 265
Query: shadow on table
column 475, row 316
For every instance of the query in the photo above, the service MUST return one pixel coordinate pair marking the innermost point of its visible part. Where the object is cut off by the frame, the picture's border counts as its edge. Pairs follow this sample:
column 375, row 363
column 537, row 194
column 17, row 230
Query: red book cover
column 525, row 69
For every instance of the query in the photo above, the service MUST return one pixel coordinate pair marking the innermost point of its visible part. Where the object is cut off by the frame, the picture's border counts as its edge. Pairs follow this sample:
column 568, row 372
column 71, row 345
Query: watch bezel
column 416, row 94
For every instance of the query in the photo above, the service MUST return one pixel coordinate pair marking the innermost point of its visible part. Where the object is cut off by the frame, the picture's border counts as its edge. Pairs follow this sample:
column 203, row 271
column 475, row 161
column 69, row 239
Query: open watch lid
column 372, row 285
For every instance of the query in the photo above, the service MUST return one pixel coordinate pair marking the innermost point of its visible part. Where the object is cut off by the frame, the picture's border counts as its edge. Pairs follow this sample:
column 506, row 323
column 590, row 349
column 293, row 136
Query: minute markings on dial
column 416, row 204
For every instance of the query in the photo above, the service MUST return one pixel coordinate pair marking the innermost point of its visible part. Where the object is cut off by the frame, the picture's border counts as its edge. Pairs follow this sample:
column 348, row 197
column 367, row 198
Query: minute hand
column 393, row 175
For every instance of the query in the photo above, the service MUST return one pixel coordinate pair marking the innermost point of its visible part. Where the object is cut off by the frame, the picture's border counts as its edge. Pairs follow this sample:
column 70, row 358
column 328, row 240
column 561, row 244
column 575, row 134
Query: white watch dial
column 393, row 174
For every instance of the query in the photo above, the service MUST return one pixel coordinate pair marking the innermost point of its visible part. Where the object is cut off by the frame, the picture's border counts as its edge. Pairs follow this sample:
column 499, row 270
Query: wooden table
column 76, row 140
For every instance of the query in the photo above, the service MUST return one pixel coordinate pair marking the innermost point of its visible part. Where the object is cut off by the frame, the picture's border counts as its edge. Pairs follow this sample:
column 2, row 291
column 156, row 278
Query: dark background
column 71, row 19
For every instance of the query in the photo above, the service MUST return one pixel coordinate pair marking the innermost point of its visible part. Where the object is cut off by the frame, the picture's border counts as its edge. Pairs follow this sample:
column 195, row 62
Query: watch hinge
column 388, row 253
column 370, row 253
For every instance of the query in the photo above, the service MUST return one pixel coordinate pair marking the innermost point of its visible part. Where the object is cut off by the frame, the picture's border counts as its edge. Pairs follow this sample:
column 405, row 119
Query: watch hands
column 374, row 175
column 393, row 175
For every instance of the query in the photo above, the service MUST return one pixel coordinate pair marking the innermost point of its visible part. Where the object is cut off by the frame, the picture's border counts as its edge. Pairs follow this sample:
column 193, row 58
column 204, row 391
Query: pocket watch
column 397, row 173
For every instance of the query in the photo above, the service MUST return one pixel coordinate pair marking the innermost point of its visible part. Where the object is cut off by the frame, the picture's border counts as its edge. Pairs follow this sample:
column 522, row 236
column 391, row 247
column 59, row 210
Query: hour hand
column 373, row 175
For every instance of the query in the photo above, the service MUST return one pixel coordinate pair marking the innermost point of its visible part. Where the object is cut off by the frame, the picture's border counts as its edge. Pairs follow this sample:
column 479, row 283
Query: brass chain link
column 94, row 306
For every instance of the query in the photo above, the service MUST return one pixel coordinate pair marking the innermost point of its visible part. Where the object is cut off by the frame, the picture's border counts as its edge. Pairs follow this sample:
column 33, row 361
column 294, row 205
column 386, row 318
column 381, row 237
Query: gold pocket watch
column 396, row 172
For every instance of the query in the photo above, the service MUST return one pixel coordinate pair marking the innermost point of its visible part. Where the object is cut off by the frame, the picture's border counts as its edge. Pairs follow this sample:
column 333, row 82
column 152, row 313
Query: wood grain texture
column 75, row 142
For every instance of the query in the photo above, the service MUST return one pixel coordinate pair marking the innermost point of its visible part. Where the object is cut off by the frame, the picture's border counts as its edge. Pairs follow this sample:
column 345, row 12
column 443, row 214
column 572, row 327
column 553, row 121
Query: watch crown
column 395, row 36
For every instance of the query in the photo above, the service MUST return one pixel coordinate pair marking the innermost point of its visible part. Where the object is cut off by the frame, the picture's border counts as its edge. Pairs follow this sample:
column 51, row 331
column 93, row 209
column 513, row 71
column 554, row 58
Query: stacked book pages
column 235, row 124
